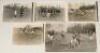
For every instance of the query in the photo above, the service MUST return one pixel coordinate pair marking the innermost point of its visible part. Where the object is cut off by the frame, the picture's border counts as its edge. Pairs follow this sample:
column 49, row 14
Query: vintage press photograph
column 17, row 12
column 28, row 34
column 83, row 11
column 72, row 37
column 49, row 13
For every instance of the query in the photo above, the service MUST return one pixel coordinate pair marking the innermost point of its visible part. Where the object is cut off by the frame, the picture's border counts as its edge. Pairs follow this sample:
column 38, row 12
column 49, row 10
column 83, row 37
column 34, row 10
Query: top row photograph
column 50, row 12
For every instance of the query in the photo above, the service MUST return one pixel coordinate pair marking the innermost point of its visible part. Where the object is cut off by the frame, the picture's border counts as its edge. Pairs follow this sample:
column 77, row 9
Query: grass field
column 23, row 38
column 90, row 15
column 8, row 15
column 61, row 46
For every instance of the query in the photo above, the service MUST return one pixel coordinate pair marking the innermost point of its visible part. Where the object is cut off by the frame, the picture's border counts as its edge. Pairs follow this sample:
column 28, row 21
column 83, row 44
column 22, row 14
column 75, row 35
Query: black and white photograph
column 28, row 34
column 70, row 37
column 49, row 12
column 17, row 12
column 83, row 11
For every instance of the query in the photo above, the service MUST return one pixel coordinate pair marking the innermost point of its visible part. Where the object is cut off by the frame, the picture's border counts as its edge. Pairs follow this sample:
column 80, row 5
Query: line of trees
column 87, row 7
column 85, row 29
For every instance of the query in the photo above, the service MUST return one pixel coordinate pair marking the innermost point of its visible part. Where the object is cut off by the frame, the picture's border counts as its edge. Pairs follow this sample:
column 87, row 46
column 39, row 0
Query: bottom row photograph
column 69, row 37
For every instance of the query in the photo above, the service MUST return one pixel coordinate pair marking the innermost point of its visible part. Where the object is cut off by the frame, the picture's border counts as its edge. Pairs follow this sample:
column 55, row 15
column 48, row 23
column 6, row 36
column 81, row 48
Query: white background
column 6, row 44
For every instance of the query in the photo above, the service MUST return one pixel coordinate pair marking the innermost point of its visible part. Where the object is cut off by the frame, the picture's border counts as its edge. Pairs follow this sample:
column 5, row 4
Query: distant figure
column 78, row 38
column 15, row 10
column 62, row 35
column 22, row 11
column 15, row 13
column 50, row 37
column 75, row 41
column 27, row 29
column 48, row 15
column 43, row 11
